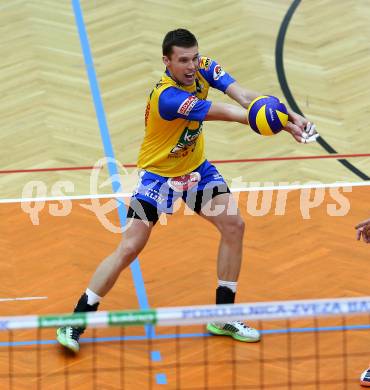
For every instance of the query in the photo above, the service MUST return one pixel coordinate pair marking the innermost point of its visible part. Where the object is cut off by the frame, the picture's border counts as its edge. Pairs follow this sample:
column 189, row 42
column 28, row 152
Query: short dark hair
column 179, row 37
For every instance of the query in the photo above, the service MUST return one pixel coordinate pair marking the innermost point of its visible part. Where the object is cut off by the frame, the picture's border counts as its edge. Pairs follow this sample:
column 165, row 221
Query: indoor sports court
column 75, row 79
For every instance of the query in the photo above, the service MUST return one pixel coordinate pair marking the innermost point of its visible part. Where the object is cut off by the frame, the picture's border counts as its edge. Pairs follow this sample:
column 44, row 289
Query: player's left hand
column 302, row 130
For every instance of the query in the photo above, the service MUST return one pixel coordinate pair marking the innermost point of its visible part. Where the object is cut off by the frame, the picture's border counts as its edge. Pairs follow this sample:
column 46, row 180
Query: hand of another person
column 363, row 230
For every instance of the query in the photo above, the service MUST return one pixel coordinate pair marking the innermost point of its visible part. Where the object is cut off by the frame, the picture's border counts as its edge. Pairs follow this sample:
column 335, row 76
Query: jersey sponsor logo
column 188, row 139
column 185, row 182
column 187, row 105
column 218, row 72
column 218, row 176
column 205, row 63
column 154, row 194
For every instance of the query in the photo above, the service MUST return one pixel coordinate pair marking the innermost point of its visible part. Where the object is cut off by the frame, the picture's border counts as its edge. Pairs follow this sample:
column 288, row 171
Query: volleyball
column 267, row 115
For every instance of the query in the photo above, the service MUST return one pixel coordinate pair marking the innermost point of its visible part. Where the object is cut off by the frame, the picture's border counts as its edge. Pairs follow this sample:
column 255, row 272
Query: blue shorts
column 196, row 188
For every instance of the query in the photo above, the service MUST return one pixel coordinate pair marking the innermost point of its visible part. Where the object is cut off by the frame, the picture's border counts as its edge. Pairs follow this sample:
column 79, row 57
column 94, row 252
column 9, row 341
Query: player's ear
column 166, row 60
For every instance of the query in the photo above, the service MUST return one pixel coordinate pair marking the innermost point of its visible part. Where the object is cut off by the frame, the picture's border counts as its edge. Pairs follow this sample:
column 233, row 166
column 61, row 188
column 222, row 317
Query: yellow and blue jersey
column 174, row 144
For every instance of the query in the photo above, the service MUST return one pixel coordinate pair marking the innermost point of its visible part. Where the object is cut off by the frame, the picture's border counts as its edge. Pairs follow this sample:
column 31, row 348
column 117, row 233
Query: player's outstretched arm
column 298, row 126
column 226, row 112
column 363, row 230
column 241, row 95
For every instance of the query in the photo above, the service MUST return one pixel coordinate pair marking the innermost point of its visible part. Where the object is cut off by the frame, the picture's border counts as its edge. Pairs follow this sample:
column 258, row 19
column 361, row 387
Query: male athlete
column 173, row 165
column 363, row 230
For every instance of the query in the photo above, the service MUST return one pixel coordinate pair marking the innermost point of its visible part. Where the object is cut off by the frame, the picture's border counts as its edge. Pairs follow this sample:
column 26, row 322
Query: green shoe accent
column 250, row 335
column 64, row 337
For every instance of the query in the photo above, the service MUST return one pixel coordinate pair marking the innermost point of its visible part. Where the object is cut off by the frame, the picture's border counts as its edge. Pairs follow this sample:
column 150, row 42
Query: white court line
column 71, row 197
column 301, row 186
column 242, row 189
column 21, row 299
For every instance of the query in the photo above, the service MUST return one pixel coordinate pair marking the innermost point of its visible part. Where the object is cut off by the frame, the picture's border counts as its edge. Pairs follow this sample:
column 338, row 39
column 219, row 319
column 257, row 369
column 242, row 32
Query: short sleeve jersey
column 173, row 144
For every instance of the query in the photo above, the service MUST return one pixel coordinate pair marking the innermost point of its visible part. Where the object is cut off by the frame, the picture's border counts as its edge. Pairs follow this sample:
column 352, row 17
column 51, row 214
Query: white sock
column 231, row 285
column 92, row 298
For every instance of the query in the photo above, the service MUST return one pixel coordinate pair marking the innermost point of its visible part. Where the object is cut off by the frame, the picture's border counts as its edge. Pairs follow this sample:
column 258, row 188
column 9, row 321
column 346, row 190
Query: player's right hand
column 309, row 133
column 303, row 135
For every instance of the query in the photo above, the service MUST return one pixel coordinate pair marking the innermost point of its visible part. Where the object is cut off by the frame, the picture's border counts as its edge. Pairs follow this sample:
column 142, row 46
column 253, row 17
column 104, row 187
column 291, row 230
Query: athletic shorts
column 157, row 194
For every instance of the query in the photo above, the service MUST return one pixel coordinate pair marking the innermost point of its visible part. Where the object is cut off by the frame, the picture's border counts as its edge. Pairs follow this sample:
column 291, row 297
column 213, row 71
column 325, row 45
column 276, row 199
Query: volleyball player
column 173, row 165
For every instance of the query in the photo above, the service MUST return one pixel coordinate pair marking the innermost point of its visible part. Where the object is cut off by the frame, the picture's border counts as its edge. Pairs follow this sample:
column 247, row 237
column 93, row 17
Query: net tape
column 191, row 315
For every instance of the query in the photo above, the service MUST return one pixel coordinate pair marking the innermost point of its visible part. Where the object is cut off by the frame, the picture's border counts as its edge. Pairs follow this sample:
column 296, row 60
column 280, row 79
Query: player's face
column 182, row 64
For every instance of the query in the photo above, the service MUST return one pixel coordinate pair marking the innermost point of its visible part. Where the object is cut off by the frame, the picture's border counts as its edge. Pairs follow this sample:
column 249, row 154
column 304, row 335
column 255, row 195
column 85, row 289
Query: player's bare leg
column 231, row 226
column 129, row 248
column 105, row 276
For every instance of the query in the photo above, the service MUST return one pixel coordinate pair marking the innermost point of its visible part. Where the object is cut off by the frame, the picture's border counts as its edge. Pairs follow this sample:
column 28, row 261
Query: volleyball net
column 307, row 344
